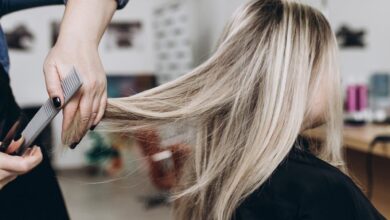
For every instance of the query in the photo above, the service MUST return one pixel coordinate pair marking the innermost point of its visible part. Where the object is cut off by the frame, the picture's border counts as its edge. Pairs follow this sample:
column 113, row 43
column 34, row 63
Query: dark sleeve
column 8, row 6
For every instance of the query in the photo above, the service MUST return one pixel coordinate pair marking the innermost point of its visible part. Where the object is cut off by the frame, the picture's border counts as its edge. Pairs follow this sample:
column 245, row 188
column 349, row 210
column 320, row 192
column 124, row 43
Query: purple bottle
column 351, row 102
column 361, row 97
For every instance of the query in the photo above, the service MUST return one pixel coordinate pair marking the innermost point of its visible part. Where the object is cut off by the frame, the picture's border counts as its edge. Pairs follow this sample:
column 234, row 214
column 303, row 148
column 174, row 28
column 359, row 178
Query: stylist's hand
column 13, row 166
column 87, row 107
column 82, row 28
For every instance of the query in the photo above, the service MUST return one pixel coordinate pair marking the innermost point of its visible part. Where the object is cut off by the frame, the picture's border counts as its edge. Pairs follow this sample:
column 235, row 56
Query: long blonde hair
column 247, row 103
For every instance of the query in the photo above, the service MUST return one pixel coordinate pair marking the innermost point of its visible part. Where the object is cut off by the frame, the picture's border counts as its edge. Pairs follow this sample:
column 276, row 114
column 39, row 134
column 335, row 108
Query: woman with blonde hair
column 272, row 77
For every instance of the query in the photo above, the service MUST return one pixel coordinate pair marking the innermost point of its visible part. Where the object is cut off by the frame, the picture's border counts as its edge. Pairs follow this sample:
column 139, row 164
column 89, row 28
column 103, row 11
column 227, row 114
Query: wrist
column 71, row 39
column 74, row 43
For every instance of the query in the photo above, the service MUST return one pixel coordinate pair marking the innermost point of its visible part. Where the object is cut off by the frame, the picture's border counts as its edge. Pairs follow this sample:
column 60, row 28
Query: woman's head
column 272, row 76
column 288, row 47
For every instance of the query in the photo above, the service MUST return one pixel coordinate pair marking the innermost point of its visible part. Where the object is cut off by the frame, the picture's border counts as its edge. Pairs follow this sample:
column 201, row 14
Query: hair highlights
column 247, row 104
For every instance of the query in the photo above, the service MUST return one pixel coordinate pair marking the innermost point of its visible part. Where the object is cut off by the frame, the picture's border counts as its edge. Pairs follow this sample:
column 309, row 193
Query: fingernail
column 56, row 102
column 93, row 127
column 17, row 137
column 74, row 145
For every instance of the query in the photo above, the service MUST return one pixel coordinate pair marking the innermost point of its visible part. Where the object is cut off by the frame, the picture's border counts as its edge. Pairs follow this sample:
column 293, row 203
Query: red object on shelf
column 165, row 172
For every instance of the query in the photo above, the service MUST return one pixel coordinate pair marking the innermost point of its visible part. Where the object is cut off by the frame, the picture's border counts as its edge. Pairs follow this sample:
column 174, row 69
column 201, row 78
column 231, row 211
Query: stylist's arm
column 81, row 30
column 13, row 166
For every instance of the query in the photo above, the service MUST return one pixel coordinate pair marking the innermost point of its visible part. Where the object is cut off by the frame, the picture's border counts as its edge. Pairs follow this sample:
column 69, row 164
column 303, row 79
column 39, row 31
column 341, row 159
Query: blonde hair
column 248, row 104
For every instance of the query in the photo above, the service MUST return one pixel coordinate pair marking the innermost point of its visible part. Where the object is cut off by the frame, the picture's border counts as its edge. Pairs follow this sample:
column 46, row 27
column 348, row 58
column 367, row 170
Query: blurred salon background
column 151, row 42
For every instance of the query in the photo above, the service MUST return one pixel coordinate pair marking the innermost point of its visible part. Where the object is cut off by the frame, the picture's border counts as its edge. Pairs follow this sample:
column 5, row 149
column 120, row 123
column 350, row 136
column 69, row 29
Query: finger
column 27, row 152
column 5, row 174
column 69, row 113
column 34, row 155
column 102, row 109
column 21, row 165
column 15, row 145
column 31, row 152
column 93, row 93
column 53, row 84
column 85, row 110
column 7, row 180
column 95, row 110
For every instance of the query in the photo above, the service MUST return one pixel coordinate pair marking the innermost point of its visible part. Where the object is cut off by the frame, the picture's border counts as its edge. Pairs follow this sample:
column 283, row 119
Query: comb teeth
column 48, row 108
column 47, row 112
column 71, row 84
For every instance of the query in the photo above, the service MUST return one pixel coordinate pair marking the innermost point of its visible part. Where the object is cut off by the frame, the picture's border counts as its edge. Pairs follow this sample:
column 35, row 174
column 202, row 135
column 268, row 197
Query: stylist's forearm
column 85, row 21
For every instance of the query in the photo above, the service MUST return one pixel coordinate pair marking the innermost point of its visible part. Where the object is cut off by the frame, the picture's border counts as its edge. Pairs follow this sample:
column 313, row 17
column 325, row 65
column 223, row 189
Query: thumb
column 53, row 85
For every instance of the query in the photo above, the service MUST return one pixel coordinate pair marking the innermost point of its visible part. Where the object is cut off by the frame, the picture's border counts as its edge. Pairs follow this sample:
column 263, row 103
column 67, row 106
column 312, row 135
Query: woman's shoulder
column 304, row 169
column 304, row 185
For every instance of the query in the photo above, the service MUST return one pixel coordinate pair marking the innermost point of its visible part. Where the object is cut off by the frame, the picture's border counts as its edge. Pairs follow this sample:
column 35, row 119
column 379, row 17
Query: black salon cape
column 307, row 188
column 35, row 195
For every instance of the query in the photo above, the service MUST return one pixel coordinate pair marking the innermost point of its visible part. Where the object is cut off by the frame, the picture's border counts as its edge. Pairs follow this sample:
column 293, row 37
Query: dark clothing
column 9, row 110
column 33, row 196
column 9, row 6
column 307, row 188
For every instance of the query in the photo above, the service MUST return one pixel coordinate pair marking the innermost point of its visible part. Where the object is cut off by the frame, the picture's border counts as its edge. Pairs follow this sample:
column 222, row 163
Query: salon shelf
column 359, row 138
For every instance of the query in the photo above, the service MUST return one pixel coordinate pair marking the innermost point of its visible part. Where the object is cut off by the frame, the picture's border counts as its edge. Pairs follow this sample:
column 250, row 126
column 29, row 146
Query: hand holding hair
column 81, row 30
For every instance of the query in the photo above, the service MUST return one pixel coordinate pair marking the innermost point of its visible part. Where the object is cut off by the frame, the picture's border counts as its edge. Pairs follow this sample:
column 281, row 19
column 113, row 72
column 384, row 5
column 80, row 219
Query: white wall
column 136, row 61
column 372, row 15
column 210, row 17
